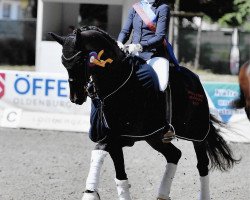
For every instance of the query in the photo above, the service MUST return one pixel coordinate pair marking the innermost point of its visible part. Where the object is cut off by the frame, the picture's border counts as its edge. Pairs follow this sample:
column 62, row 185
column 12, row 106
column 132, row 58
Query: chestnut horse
column 244, row 82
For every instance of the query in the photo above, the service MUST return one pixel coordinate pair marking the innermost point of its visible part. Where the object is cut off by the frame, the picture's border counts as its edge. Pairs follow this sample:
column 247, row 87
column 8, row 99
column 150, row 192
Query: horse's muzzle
column 78, row 101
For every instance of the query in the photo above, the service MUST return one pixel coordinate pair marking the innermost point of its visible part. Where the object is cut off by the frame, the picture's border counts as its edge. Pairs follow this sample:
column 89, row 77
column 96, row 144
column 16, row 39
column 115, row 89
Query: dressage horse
column 127, row 107
column 244, row 82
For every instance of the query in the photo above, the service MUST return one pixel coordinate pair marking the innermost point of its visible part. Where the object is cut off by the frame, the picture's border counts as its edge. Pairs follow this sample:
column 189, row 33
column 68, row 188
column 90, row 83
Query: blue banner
column 221, row 96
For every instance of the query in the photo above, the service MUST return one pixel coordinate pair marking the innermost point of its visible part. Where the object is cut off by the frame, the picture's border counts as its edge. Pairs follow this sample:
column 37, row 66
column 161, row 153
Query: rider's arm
column 127, row 29
column 161, row 28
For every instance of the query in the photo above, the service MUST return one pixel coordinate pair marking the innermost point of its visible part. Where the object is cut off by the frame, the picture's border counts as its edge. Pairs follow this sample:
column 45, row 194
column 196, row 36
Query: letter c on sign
column 11, row 117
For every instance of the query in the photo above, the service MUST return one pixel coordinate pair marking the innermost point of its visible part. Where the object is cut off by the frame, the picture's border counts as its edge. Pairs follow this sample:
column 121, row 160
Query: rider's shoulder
column 132, row 11
column 163, row 6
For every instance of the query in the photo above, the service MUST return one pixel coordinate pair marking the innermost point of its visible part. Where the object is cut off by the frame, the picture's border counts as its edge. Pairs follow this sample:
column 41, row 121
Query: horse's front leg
column 97, row 158
column 121, row 179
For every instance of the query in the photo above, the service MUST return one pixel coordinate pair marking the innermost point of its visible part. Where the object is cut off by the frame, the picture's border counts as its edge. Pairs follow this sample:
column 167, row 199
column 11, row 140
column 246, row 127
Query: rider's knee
column 161, row 68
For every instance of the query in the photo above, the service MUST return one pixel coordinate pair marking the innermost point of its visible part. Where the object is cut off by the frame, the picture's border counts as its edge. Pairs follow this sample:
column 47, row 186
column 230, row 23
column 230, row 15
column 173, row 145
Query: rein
column 101, row 101
column 115, row 91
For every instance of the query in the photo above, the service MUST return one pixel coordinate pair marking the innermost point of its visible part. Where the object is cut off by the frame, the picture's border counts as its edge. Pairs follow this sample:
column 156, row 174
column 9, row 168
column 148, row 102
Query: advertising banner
column 41, row 101
column 220, row 97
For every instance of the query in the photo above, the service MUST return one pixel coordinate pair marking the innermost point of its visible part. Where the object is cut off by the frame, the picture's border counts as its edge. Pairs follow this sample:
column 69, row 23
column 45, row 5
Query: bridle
column 79, row 60
column 83, row 60
column 72, row 57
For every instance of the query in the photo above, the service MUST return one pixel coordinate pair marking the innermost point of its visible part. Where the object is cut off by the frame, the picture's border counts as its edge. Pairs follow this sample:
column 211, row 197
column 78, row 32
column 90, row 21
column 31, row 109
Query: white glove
column 134, row 48
column 120, row 45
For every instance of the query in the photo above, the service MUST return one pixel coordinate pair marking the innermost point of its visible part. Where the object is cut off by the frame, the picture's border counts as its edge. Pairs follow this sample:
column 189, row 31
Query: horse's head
column 86, row 51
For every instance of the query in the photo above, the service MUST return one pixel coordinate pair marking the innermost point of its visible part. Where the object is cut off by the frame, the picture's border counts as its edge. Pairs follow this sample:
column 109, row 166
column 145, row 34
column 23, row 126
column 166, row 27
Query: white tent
column 57, row 15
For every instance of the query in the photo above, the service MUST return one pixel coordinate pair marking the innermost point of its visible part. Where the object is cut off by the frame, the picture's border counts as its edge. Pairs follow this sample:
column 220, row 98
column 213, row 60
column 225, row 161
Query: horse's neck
column 109, row 81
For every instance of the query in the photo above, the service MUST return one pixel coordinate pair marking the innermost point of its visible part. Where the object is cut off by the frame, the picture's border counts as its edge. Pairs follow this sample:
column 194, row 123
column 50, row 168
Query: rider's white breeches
column 161, row 67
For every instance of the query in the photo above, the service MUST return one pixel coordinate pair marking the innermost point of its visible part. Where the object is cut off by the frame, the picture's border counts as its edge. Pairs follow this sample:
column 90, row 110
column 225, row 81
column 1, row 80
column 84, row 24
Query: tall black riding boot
column 169, row 132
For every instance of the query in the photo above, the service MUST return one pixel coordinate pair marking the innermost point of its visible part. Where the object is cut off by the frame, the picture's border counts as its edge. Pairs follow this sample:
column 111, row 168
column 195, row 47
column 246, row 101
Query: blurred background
column 210, row 37
column 41, row 157
column 203, row 32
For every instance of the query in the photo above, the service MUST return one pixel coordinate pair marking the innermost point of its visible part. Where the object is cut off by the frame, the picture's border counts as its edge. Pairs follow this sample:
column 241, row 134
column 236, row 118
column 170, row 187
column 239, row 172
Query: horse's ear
column 57, row 38
column 78, row 38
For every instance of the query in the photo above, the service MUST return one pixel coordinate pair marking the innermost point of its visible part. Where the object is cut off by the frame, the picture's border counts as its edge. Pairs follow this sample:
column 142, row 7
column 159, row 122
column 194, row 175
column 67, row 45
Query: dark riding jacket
column 152, row 42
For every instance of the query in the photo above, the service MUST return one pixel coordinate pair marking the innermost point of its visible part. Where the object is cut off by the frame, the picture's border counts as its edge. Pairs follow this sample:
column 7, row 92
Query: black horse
column 126, row 107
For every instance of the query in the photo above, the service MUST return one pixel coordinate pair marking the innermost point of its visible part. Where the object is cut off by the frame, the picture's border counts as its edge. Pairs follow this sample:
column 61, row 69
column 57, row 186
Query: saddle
column 187, row 105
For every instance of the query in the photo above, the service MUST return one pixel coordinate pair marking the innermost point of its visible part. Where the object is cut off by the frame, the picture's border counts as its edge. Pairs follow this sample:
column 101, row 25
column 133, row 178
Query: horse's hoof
column 91, row 195
column 163, row 199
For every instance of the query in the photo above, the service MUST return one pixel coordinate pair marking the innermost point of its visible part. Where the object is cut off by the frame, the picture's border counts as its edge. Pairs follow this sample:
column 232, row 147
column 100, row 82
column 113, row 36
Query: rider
column 149, row 20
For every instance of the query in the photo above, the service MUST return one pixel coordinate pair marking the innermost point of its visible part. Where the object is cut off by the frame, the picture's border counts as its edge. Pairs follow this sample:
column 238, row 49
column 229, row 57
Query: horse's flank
column 244, row 83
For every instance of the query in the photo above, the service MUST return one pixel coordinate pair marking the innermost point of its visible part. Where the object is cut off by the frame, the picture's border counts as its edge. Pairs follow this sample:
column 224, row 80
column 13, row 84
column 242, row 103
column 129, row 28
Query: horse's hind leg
column 172, row 155
column 202, row 166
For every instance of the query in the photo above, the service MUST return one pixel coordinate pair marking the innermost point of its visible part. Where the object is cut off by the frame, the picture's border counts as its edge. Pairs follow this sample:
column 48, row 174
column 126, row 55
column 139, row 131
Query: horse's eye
column 70, row 80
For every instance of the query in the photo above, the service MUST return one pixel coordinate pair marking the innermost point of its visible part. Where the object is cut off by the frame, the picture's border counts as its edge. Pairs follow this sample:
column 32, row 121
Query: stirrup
column 168, row 137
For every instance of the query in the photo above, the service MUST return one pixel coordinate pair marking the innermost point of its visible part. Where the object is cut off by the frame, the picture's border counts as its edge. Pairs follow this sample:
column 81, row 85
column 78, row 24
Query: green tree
column 228, row 12
column 215, row 9
column 240, row 14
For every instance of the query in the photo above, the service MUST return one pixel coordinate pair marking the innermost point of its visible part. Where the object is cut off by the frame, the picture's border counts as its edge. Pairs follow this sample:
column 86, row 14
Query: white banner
column 40, row 100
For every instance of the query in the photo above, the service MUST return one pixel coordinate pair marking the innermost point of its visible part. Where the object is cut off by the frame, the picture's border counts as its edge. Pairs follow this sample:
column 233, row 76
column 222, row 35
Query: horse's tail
column 219, row 152
column 239, row 102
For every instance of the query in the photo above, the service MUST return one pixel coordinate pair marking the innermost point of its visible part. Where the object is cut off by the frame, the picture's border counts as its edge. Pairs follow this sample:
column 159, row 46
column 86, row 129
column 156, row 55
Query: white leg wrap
column 166, row 181
column 204, row 193
column 161, row 67
column 97, row 158
column 123, row 189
